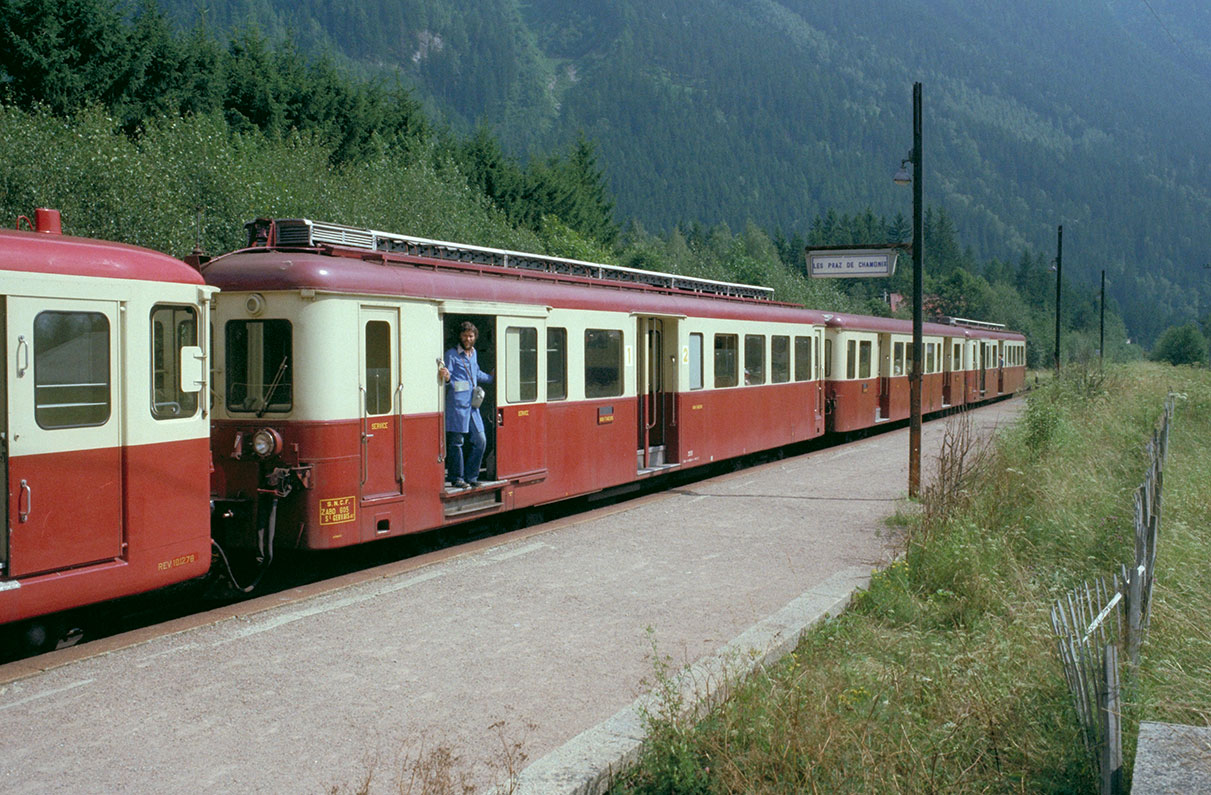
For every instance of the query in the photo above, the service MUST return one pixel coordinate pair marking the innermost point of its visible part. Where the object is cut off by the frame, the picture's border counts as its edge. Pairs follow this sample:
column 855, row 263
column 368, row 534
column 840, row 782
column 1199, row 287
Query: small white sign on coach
column 838, row 263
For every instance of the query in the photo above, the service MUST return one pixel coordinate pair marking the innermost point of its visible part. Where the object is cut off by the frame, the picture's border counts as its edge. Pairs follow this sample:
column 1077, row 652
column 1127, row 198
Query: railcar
column 328, row 424
column 868, row 360
column 104, row 429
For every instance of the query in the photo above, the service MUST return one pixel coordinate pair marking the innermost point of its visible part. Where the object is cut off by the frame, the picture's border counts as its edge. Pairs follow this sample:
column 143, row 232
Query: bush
column 1181, row 345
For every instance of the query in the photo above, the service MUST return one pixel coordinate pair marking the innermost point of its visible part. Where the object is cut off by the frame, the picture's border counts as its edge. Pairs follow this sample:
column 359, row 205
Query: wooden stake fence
column 1089, row 626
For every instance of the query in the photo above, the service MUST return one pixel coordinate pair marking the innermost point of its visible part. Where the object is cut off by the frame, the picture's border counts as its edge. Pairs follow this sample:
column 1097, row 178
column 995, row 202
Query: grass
column 944, row 674
column 1175, row 671
column 417, row 766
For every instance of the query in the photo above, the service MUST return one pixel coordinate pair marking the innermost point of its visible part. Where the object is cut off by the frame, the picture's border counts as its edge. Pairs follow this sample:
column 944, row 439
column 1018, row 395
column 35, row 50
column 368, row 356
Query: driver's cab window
column 259, row 370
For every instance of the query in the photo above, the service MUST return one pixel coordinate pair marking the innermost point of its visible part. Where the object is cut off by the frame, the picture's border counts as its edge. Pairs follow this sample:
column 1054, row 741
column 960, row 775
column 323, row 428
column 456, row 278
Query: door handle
column 22, row 356
column 26, row 497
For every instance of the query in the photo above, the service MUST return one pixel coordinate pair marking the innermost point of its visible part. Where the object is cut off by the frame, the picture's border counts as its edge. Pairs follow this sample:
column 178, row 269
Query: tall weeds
column 943, row 676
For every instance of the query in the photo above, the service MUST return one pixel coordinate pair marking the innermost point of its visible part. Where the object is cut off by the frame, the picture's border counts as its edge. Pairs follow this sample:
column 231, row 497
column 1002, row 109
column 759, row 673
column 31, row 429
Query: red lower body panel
column 586, row 446
column 163, row 534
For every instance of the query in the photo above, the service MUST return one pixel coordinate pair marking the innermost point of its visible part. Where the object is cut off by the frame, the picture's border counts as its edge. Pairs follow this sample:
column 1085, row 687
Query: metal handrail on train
column 305, row 233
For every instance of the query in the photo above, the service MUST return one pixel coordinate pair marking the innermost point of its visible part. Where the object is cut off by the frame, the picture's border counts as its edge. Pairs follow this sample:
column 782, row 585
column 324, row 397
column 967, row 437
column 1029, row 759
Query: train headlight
column 266, row 442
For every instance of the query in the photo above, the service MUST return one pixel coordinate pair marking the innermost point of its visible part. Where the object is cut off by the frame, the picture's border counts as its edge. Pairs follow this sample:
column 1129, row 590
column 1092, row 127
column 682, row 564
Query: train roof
column 892, row 325
column 40, row 252
column 305, row 233
column 428, row 269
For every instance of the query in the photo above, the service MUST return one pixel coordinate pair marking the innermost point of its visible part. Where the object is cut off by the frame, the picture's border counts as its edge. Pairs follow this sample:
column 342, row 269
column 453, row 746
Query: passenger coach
column 104, row 427
column 328, row 421
column 868, row 360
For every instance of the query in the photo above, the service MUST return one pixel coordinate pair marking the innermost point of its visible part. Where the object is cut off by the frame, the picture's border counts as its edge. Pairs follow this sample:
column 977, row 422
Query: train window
column 780, row 359
column 930, row 350
column 828, row 358
column 521, row 363
column 754, row 359
column 864, row 359
column 897, row 366
column 378, row 367
column 557, row 363
column 695, row 361
column 172, row 328
column 803, row 358
column 727, row 348
column 259, row 368
column 908, row 357
column 851, row 359
column 71, row 369
column 602, row 363
column 958, row 356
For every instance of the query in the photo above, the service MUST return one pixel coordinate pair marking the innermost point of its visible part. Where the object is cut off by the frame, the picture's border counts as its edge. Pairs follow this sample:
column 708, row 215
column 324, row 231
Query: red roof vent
column 48, row 221
column 45, row 221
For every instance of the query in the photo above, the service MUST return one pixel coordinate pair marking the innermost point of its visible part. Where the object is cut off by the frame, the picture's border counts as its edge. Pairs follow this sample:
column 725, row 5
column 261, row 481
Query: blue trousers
column 460, row 465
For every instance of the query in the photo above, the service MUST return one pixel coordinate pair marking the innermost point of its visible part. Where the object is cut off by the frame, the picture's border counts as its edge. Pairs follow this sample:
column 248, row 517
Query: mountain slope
column 1088, row 113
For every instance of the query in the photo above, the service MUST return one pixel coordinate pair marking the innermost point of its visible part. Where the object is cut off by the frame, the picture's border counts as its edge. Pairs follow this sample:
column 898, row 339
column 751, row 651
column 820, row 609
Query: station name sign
column 852, row 262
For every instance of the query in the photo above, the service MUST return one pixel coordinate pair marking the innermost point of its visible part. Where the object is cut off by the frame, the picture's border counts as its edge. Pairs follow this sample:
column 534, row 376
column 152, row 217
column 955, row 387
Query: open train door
column 63, row 433
column 885, row 374
column 521, row 393
column 656, row 368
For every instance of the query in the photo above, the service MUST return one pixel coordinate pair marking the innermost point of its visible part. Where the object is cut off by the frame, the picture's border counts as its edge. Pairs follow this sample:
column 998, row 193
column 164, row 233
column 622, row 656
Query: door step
column 661, row 468
column 655, row 457
column 486, row 496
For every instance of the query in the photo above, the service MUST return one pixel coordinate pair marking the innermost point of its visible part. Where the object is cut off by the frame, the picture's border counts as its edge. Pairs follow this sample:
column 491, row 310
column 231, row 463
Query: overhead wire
column 1161, row 22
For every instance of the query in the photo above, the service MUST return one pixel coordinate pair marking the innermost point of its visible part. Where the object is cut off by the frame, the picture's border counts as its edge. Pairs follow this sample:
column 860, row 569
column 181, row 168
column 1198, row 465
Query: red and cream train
column 310, row 416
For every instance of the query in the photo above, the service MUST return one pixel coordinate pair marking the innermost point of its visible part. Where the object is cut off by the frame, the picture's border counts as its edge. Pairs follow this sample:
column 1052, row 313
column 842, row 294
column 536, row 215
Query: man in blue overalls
column 460, row 370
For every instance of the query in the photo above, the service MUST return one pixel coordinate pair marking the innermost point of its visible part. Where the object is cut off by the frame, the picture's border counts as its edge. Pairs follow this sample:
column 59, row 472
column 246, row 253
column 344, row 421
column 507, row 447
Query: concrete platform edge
column 1172, row 759
column 589, row 762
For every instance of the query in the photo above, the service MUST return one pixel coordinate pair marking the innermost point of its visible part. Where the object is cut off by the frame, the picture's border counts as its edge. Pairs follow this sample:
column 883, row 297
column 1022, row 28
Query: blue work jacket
column 464, row 375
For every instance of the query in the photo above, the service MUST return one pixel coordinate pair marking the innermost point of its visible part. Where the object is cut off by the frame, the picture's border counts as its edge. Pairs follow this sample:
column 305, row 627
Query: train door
column 1000, row 367
column 3, row 439
column 381, row 399
column 656, row 387
column 950, row 356
column 63, row 433
column 885, row 374
column 521, row 385
column 981, row 365
column 817, row 367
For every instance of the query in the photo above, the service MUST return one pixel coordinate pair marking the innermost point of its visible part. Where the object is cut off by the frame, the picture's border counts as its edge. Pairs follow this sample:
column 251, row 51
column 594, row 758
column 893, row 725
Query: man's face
column 467, row 338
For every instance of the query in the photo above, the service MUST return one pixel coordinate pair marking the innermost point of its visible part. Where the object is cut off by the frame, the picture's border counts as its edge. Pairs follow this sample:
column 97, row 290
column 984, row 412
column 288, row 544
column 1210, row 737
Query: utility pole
column 918, row 254
column 1101, row 334
column 1059, row 275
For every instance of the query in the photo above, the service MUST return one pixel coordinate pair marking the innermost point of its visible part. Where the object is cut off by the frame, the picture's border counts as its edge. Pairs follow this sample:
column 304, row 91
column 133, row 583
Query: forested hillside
column 170, row 138
column 1087, row 113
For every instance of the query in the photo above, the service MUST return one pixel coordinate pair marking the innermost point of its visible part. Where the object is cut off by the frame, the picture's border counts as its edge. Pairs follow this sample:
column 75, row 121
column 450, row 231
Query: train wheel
column 41, row 635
